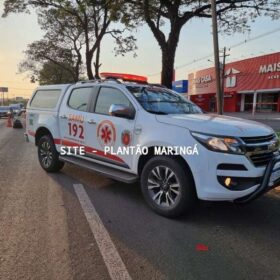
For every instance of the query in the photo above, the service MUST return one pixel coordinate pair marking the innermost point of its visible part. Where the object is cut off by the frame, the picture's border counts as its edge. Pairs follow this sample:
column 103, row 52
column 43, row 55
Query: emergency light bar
column 125, row 77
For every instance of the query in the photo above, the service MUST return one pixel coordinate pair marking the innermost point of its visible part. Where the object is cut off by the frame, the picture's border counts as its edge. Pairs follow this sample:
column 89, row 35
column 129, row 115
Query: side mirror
column 122, row 111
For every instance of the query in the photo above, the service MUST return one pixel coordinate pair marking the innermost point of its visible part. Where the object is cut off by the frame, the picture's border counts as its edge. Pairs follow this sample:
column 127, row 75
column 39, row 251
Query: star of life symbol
column 231, row 79
column 106, row 133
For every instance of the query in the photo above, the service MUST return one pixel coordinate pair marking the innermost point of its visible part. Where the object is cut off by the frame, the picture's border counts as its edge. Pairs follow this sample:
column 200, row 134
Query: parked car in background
column 16, row 107
column 4, row 110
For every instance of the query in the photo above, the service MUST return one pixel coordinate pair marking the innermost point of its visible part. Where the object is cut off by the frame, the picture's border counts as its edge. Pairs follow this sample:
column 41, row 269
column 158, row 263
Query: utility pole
column 225, row 55
column 3, row 90
column 217, row 58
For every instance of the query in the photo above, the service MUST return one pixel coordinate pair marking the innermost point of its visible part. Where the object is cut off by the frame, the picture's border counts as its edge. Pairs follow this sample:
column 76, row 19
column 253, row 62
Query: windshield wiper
column 157, row 112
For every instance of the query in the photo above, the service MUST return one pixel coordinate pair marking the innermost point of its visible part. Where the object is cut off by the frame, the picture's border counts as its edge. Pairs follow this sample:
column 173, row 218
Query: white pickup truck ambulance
column 227, row 159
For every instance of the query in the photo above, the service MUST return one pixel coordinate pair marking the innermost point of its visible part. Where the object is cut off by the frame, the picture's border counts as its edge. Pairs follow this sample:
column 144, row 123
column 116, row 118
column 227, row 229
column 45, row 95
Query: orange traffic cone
column 9, row 122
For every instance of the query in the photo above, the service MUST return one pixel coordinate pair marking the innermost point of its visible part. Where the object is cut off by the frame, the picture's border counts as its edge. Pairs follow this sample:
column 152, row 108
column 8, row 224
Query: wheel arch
column 40, row 132
column 143, row 159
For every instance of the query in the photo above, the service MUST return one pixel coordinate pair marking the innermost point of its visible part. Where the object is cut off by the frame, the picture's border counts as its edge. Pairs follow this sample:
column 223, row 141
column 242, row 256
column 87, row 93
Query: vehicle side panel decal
column 93, row 151
column 89, row 150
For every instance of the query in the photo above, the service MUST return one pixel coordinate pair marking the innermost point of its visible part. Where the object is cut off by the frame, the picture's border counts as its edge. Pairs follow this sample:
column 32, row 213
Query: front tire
column 48, row 155
column 167, row 186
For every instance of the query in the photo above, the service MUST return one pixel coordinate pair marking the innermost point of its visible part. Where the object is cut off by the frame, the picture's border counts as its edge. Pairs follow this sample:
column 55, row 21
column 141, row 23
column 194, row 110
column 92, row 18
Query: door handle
column 137, row 129
column 63, row 117
column 91, row 121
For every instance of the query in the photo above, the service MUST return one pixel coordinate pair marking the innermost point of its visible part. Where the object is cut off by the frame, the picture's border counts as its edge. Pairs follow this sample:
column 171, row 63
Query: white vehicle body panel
column 152, row 130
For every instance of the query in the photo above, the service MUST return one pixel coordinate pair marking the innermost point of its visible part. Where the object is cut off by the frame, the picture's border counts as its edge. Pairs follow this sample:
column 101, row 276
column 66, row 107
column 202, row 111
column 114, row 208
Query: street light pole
column 217, row 58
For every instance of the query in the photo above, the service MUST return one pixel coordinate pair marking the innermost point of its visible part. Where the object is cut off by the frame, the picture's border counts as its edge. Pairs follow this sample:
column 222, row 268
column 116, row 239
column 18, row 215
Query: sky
column 18, row 30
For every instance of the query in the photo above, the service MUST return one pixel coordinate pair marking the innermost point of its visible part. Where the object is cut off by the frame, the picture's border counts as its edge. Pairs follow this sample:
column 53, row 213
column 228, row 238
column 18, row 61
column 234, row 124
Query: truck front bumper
column 271, row 179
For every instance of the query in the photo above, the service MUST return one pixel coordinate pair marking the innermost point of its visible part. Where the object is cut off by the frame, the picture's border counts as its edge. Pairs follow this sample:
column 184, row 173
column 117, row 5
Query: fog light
column 239, row 183
column 227, row 181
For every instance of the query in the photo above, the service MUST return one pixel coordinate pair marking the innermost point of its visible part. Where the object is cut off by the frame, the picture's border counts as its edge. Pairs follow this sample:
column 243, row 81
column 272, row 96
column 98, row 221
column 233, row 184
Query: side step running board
column 101, row 169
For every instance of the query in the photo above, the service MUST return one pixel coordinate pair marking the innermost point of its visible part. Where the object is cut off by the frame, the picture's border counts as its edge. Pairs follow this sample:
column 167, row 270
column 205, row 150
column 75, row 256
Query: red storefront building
column 249, row 83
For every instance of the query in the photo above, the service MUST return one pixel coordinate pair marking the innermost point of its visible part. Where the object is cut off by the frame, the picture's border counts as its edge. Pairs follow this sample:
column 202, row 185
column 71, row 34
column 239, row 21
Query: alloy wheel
column 163, row 186
column 46, row 154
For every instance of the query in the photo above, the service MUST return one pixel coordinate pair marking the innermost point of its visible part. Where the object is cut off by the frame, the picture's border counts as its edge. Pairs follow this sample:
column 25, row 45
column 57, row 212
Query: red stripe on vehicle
column 57, row 141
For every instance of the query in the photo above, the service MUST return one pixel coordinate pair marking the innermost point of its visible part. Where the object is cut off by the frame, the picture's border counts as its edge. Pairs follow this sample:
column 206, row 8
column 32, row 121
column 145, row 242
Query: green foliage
column 79, row 25
column 95, row 17
column 44, row 59
column 51, row 73
column 161, row 15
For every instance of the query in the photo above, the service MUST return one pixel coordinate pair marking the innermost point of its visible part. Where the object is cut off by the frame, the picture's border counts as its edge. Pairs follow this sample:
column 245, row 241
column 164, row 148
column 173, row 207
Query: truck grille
column 261, row 159
column 259, row 139
column 260, row 150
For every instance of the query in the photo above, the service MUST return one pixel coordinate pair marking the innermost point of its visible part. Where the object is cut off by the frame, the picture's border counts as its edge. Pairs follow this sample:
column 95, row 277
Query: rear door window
column 80, row 98
column 46, row 98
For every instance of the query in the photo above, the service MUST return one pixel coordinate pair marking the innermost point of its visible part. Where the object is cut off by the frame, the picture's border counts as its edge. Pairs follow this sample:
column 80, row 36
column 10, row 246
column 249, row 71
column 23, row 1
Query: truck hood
column 217, row 125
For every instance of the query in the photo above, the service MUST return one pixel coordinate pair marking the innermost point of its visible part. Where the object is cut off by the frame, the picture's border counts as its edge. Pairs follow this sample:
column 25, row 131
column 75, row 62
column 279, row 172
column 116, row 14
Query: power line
column 255, row 38
column 231, row 47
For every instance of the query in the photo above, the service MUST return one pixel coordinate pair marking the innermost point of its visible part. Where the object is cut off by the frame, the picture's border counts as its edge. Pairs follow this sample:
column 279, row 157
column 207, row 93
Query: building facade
column 249, row 85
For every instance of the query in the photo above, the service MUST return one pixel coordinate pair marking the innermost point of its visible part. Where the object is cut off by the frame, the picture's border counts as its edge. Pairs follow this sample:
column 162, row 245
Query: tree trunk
column 89, row 57
column 97, row 63
column 168, row 58
column 78, row 66
column 168, row 54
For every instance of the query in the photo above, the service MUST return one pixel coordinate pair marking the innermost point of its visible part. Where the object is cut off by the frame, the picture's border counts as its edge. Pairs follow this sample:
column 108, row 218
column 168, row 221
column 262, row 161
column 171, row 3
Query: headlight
column 219, row 144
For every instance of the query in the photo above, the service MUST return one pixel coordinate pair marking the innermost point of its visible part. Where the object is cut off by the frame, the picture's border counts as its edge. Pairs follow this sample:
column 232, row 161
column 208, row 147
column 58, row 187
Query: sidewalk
column 257, row 116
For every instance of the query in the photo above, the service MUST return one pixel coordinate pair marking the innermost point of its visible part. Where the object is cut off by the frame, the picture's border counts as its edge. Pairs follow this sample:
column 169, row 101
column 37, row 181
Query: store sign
column 274, row 77
column 228, row 95
column 269, row 68
column 231, row 78
column 258, row 73
column 4, row 89
column 203, row 79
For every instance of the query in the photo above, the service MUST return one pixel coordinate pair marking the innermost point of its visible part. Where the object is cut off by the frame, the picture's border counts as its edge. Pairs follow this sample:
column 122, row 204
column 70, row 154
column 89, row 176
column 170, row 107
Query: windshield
column 163, row 101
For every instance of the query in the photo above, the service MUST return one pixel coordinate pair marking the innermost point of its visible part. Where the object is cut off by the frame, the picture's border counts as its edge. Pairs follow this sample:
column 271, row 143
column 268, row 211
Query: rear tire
column 168, row 186
column 48, row 155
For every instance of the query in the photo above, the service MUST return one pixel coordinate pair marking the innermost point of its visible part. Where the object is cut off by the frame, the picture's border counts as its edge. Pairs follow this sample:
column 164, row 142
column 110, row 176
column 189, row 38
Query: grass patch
column 278, row 133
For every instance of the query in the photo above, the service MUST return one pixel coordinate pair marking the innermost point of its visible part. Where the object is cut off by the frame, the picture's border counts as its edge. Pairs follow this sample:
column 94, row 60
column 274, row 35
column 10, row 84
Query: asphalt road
column 275, row 124
column 44, row 233
column 270, row 119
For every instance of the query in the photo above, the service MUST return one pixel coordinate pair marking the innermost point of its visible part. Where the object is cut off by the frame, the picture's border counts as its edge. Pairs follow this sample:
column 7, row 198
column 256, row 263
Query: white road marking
column 111, row 257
